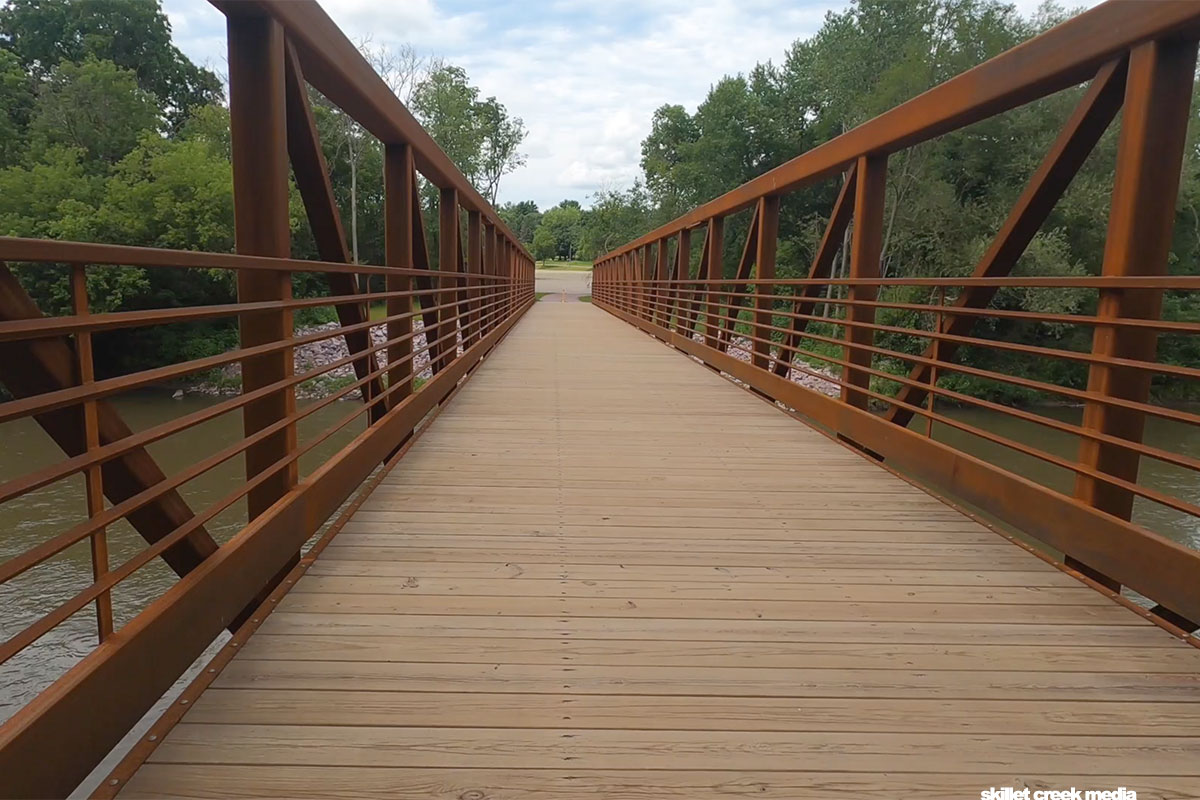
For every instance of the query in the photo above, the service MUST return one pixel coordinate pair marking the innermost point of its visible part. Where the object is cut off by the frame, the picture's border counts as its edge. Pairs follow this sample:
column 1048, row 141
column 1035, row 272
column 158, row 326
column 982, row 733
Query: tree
column 502, row 135
column 544, row 245
column 351, row 151
column 16, row 107
column 133, row 34
column 523, row 218
column 445, row 103
column 564, row 223
column 96, row 107
column 478, row 135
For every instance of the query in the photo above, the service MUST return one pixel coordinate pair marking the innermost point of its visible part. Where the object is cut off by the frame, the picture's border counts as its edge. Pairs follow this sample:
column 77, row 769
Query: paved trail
column 557, row 282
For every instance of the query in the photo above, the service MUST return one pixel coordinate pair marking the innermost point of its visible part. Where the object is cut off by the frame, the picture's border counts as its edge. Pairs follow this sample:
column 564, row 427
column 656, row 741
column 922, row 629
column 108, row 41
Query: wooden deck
column 606, row 572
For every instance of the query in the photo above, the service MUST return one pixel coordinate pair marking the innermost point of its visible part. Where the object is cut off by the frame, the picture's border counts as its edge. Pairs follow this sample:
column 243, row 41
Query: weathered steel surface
column 1143, row 61
column 34, row 367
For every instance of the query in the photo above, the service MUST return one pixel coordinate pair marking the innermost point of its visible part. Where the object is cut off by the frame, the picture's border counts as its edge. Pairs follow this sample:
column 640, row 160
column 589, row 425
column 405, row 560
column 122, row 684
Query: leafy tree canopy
column 133, row 34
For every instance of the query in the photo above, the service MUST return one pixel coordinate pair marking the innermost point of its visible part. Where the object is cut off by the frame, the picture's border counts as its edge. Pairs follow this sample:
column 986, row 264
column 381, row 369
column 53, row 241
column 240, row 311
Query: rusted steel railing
column 873, row 334
column 441, row 318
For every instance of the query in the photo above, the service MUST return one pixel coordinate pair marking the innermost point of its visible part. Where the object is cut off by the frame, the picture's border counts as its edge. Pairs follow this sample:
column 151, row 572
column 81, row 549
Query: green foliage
column 173, row 193
column 478, row 135
column 544, row 245
column 523, row 218
column 563, row 226
column 95, row 107
column 945, row 199
column 108, row 133
column 614, row 218
column 16, row 106
column 132, row 34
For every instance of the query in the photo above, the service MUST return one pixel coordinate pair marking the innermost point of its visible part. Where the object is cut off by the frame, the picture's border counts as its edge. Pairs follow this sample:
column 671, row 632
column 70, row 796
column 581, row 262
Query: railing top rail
column 1064, row 56
column 54, row 251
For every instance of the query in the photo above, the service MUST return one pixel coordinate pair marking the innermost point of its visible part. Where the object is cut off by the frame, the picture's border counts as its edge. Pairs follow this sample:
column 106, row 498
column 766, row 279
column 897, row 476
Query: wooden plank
column 698, row 590
column 156, row 781
column 715, row 630
column 1030, row 576
column 447, row 709
column 607, row 749
column 1166, row 657
column 561, row 592
column 902, row 531
column 1012, row 560
column 507, row 605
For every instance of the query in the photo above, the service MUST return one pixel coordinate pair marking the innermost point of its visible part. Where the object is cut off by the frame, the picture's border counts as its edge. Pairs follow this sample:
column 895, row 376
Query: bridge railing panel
column 872, row 359
column 407, row 333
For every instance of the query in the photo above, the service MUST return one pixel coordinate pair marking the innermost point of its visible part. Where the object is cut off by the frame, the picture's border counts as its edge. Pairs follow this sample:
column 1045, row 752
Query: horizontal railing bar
column 950, row 310
column 36, row 555
column 54, row 251
column 971, row 341
column 43, row 327
column 1148, row 493
column 1076, row 394
column 1166, row 282
column 55, row 472
column 114, row 577
column 73, row 395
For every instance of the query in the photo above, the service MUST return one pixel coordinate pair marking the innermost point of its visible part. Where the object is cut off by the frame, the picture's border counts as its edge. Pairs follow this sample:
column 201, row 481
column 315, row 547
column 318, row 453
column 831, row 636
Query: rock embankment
column 740, row 348
column 312, row 356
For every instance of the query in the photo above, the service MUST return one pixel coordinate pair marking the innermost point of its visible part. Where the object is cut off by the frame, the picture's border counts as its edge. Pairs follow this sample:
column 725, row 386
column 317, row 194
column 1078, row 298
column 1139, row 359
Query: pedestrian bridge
column 720, row 531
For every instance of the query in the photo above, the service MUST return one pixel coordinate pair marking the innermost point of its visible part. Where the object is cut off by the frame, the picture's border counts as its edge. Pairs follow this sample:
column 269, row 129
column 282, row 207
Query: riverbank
column 312, row 357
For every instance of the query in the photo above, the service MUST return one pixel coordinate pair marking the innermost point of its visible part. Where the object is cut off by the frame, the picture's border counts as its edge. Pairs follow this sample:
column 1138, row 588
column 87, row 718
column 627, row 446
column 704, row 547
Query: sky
column 584, row 75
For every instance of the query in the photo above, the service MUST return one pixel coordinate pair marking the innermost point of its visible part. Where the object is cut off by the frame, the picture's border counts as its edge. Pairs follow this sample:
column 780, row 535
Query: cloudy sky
column 585, row 75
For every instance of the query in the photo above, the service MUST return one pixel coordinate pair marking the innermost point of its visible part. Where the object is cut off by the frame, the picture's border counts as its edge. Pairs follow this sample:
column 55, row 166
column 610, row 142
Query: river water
column 32, row 518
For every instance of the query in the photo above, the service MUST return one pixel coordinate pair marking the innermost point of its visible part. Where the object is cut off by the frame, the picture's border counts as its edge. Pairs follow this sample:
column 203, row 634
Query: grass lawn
column 587, row 298
column 540, row 295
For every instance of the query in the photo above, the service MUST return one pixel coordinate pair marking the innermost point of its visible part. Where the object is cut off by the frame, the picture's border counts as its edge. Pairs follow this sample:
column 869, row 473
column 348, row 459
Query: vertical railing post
column 764, row 270
column 1149, row 158
column 865, row 252
column 491, row 284
column 715, row 242
column 936, row 355
column 399, row 179
column 258, row 132
column 448, row 243
column 643, row 266
column 662, row 293
column 626, row 289
column 474, row 266
column 683, row 257
column 510, row 278
column 92, row 479
column 631, row 281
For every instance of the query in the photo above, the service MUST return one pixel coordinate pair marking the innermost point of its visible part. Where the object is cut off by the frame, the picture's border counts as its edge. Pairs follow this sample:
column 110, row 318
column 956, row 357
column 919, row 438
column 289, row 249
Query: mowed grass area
column 568, row 266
